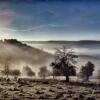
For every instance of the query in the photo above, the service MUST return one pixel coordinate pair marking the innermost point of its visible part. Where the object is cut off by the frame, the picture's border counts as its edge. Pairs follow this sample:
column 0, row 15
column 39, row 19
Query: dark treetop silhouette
column 87, row 70
column 64, row 62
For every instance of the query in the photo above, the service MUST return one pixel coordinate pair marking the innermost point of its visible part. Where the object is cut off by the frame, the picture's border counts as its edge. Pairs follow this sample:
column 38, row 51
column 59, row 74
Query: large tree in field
column 6, row 70
column 64, row 61
column 87, row 71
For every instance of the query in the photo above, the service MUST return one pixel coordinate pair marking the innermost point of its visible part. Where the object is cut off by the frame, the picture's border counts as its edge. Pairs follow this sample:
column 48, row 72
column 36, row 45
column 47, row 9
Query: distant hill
column 85, row 48
column 61, row 41
column 16, row 53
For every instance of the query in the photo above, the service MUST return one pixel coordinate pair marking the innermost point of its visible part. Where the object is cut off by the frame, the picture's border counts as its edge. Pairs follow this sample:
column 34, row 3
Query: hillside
column 16, row 53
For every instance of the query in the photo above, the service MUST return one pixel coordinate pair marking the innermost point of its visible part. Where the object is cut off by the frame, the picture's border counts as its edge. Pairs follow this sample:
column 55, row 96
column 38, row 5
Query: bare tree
column 28, row 71
column 44, row 72
column 6, row 70
column 87, row 71
column 64, row 62
column 7, row 66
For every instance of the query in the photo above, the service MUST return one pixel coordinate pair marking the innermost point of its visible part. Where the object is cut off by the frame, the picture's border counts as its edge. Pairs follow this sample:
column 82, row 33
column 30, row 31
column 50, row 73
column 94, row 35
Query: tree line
column 63, row 65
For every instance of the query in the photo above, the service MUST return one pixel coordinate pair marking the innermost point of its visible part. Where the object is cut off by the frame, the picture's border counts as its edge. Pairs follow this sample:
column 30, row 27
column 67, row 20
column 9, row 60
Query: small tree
column 15, row 73
column 98, row 74
column 64, row 62
column 7, row 66
column 6, row 70
column 28, row 71
column 44, row 72
column 87, row 71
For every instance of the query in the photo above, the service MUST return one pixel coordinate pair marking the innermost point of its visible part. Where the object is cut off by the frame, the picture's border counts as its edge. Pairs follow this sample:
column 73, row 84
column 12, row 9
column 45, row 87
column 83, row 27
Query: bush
column 44, row 72
column 28, row 71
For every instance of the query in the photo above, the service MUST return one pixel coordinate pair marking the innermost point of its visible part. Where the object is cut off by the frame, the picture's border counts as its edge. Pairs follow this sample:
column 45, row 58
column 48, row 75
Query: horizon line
column 49, row 40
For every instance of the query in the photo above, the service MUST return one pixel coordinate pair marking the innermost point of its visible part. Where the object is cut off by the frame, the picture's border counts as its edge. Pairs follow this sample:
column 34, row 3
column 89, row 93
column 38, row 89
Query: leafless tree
column 6, row 70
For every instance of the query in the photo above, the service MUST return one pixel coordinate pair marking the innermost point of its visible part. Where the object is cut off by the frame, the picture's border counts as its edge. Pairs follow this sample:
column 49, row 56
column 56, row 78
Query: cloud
column 6, row 15
column 6, row 19
column 4, row 34
column 27, row 20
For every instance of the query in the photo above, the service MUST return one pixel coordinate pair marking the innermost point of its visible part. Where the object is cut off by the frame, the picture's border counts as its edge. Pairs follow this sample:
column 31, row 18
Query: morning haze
column 49, row 49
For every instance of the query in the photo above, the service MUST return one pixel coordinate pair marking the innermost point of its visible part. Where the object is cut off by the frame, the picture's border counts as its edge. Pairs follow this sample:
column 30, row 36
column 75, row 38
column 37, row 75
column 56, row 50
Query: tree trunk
column 67, row 78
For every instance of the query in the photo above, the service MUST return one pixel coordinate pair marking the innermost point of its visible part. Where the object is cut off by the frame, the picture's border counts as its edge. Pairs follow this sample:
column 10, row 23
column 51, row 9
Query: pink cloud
column 6, row 17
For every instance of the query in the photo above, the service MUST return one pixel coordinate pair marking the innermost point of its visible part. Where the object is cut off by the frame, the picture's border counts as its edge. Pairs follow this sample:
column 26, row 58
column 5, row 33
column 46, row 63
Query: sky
column 50, row 19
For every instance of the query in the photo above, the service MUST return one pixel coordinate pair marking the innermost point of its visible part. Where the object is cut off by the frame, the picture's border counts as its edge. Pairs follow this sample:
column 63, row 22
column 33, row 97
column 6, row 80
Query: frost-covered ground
column 45, row 90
